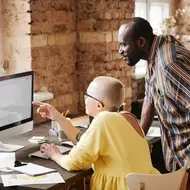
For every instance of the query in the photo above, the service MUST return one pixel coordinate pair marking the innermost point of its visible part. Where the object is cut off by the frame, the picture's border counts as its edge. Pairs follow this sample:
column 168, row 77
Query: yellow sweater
column 114, row 149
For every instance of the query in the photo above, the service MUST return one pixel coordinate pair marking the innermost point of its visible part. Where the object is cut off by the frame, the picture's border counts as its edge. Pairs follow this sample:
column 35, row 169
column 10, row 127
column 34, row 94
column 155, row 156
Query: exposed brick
column 58, row 28
column 116, row 55
column 38, row 63
column 77, row 40
column 43, row 28
column 59, row 17
column 39, row 16
column 51, row 40
column 68, row 99
column 91, row 47
column 60, row 5
column 87, row 37
column 115, row 24
column 115, row 15
column 112, row 46
column 127, row 15
column 122, row 15
column 39, row 5
column 38, row 41
column 115, row 36
column 102, row 25
column 62, row 39
column 128, row 92
column 108, row 15
column 76, row 97
column 85, row 25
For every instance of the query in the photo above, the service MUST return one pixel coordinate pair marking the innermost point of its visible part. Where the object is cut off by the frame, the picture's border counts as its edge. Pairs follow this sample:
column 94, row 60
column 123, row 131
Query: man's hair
column 111, row 91
column 140, row 28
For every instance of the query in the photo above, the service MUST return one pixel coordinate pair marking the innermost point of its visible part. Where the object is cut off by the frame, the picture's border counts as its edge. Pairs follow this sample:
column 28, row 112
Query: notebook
column 33, row 169
column 40, row 155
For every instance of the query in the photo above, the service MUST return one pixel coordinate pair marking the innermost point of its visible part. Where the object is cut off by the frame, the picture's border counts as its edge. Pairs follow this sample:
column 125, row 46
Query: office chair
column 171, row 181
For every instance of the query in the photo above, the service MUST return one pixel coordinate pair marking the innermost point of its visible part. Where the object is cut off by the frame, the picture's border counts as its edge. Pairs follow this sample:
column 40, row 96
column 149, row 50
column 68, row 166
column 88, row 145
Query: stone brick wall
column 16, row 41
column 67, row 43
column 53, row 37
column 97, row 46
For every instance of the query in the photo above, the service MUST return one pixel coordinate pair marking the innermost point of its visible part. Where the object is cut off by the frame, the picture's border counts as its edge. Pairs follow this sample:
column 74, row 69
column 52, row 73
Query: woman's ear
column 99, row 106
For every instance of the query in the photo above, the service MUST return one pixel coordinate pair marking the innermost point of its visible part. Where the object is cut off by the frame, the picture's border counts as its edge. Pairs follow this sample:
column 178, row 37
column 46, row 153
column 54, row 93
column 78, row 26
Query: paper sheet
column 23, row 179
column 33, row 169
column 7, row 159
column 9, row 147
column 154, row 132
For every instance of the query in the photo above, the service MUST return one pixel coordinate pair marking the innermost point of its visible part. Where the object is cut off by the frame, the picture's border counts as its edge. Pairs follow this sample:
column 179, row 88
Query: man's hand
column 46, row 110
column 51, row 151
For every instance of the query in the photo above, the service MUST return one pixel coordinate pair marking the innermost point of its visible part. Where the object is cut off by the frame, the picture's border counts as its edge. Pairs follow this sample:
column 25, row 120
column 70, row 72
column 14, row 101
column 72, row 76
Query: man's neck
column 150, row 47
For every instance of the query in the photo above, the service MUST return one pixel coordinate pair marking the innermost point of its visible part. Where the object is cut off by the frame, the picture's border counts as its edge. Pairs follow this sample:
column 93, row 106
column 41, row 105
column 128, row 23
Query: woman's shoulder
column 108, row 115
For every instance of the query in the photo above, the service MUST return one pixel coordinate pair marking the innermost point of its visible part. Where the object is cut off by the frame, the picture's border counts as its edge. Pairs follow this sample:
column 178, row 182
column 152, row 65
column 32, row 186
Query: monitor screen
column 16, row 95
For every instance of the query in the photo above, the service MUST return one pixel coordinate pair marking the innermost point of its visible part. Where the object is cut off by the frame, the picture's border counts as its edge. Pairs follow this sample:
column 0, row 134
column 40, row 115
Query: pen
column 66, row 113
column 19, row 163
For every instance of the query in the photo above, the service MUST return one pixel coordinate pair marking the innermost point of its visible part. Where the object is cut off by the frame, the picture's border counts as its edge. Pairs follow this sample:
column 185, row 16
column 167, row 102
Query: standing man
column 167, row 86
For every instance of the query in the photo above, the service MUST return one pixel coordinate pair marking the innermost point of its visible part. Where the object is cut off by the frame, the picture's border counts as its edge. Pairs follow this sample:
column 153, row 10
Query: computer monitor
column 16, row 96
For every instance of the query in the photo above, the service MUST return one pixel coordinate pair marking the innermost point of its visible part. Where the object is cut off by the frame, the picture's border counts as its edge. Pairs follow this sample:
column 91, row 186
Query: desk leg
column 81, row 185
column 150, row 147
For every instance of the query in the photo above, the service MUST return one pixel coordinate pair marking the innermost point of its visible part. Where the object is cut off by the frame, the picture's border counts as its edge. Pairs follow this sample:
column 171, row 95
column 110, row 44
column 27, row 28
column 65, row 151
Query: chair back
column 169, row 181
column 82, row 121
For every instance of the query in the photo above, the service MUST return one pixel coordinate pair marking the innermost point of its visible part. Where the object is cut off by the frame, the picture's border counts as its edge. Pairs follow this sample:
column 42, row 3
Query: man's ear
column 141, row 42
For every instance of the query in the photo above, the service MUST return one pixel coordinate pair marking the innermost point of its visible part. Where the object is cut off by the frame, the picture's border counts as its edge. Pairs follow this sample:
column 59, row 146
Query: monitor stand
column 9, row 147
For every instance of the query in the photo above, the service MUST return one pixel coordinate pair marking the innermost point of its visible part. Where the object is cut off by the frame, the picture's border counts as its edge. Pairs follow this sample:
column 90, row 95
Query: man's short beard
column 132, row 61
column 134, row 58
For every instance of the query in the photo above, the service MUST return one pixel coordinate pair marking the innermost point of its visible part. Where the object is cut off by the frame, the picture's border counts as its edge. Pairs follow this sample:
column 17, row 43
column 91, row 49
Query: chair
column 82, row 121
column 171, row 181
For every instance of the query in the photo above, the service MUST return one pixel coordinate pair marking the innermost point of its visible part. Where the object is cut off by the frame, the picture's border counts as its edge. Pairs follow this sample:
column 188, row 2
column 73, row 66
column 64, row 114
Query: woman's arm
column 87, row 150
column 70, row 131
column 48, row 111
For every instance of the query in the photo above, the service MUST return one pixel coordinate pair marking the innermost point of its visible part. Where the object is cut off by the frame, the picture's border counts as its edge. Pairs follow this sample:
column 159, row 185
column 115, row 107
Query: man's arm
column 147, row 115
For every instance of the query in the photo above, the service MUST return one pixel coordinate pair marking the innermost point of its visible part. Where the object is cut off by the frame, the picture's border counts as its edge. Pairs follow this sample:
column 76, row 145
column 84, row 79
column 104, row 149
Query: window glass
column 155, row 12
column 140, row 10
column 162, row 11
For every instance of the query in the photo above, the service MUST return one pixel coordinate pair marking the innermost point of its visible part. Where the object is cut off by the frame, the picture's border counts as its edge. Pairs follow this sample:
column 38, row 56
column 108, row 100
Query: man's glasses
column 87, row 95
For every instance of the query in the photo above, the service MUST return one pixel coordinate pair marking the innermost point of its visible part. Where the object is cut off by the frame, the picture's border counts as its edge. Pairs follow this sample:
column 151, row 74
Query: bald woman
column 111, row 145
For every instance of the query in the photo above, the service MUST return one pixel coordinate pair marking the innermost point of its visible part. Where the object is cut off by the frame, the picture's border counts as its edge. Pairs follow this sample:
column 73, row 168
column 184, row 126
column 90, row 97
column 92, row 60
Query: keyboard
column 40, row 155
column 67, row 143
